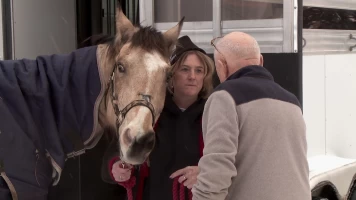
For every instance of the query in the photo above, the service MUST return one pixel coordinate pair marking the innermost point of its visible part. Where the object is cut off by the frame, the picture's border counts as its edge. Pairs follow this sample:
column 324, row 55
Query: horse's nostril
column 146, row 139
column 127, row 137
column 141, row 146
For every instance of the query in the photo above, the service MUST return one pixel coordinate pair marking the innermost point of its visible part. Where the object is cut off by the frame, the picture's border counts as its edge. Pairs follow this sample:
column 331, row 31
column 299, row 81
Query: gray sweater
column 255, row 142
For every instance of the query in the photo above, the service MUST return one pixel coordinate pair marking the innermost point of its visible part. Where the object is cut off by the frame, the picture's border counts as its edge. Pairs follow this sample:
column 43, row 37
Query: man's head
column 235, row 51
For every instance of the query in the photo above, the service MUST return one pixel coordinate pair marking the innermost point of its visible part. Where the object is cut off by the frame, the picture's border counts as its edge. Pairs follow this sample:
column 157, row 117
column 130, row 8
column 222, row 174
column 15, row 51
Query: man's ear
column 261, row 60
column 223, row 71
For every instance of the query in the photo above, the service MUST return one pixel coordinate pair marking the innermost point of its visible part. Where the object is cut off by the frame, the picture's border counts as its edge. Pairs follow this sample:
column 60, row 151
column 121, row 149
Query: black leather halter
column 120, row 114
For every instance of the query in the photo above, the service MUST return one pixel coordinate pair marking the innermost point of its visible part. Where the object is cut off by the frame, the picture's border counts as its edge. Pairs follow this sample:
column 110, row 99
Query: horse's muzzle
column 139, row 146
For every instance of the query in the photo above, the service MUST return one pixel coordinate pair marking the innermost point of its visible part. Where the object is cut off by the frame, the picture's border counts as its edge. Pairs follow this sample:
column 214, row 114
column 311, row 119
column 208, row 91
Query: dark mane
column 96, row 40
column 150, row 39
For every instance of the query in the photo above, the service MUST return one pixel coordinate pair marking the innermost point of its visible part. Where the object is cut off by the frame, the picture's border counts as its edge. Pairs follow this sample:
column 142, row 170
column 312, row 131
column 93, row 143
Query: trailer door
column 274, row 24
column 39, row 27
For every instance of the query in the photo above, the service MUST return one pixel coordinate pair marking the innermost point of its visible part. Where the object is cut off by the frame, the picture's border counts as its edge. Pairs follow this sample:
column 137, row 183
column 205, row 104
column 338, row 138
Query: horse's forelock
column 146, row 38
column 149, row 39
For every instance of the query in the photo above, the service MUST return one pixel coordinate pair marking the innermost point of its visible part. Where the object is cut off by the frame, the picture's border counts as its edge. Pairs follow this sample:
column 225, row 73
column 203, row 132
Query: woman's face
column 188, row 79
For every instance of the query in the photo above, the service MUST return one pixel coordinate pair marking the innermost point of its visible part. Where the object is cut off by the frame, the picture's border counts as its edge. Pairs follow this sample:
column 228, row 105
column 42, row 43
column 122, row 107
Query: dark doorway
column 81, row 177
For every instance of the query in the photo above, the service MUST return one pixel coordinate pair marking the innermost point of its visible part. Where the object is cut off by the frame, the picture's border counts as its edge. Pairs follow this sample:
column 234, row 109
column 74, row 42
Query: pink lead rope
column 178, row 192
column 180, row 195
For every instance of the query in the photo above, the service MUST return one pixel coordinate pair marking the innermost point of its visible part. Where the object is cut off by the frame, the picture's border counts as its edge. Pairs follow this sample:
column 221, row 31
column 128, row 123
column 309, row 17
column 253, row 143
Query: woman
column 179, row 140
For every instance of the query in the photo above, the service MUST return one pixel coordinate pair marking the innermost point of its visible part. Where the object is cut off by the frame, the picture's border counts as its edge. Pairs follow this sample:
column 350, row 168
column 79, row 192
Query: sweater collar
column 252, row 71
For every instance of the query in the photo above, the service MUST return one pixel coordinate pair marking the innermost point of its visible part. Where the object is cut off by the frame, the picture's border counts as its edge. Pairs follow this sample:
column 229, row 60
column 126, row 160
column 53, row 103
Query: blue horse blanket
column 45, row 105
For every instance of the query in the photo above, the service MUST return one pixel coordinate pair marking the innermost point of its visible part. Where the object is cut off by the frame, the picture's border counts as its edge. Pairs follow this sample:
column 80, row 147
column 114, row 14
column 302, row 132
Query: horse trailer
column 310, row 48
column 308, row 45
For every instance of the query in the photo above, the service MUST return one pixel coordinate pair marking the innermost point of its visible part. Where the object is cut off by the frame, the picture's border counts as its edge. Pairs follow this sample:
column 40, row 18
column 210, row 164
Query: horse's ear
column 172, row 34
column 123, row 24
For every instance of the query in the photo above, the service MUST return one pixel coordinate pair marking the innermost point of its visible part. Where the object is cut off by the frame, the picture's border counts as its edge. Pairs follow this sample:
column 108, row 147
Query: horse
column 56, row 106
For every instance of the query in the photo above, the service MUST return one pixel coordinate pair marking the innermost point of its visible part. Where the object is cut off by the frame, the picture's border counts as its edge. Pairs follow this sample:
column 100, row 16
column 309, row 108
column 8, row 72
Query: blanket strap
column 78, row 145
column 7, row 181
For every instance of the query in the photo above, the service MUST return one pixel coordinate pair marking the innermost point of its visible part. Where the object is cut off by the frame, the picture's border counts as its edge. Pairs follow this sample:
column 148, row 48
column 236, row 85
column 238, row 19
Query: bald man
column 253, row 130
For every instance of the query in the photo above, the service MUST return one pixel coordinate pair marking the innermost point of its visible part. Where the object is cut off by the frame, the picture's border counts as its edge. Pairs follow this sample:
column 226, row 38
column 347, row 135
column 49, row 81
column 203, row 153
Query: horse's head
column 137, row 64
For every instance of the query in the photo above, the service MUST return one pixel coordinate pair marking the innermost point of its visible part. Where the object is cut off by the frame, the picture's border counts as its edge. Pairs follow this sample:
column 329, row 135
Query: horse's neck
column 105, row 66
column 103, row 107
column 105, row 61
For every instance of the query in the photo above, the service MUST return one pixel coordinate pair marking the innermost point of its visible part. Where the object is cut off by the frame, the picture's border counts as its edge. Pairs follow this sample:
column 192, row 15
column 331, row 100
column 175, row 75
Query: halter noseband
column 120, row 114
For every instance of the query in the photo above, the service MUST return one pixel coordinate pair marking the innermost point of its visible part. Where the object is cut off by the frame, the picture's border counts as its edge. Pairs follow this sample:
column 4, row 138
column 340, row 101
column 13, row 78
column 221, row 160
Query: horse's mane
column 147, row 38
column 96, row 40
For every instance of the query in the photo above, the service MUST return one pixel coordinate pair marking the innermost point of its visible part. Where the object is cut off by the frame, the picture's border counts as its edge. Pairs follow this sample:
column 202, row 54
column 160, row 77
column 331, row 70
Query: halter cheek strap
column 121, row 114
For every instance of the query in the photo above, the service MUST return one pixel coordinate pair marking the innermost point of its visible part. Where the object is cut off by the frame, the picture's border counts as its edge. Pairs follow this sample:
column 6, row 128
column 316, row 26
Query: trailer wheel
column 325, row 191
column 319, row 198
column 352, row 195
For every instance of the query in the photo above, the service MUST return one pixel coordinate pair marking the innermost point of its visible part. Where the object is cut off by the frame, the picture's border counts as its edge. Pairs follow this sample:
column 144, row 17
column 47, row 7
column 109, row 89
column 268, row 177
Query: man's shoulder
column 245, row 90
column 232, row 88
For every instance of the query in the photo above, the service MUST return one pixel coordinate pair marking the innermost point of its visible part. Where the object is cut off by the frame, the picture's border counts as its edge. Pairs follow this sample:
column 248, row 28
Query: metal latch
column 352, row 38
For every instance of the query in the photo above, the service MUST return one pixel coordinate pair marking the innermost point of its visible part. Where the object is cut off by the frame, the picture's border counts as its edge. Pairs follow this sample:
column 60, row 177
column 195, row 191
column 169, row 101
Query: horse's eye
column 121, row 68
